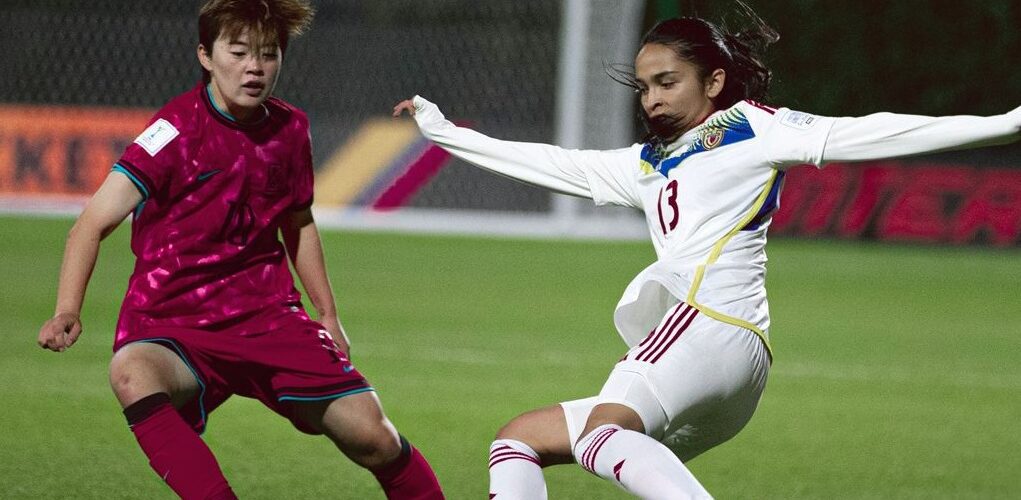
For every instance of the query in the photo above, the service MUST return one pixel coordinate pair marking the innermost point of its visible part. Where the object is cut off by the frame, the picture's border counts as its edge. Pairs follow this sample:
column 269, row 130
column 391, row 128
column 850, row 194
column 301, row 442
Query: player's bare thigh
column 144, row 368
column 357, row 425
column 615, row 414
column 545, row 431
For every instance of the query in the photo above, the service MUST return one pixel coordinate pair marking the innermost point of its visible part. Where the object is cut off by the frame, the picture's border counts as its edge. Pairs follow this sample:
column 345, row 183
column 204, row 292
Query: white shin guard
column 638, row 464
column 515, row 472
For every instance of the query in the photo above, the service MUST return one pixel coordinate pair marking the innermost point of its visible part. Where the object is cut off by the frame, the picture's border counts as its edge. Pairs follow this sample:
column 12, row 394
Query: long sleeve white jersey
column 709, row 196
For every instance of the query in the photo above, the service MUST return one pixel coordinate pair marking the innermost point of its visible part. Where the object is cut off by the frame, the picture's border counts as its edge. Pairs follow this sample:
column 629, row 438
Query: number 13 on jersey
column 669, row 215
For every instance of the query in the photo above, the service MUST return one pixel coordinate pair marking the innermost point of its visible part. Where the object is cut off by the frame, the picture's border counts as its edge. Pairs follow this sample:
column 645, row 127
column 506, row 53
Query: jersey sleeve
column 147, row 161
column 302, row 186
column 789, row 137
column 793, row 137
column 889, row 135
column 606, row 177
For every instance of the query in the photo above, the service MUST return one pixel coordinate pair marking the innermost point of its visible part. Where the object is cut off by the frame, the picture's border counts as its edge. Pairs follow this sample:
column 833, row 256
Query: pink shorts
column 280, row 358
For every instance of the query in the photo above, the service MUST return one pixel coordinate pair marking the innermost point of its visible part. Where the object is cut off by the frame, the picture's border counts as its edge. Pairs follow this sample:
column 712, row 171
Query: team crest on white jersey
column 712, row 137
column 158, row 135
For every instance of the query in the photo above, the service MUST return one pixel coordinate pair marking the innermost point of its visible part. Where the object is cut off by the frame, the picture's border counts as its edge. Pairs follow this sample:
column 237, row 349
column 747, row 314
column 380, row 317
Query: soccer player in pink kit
column 696, row 321
column 211, row 308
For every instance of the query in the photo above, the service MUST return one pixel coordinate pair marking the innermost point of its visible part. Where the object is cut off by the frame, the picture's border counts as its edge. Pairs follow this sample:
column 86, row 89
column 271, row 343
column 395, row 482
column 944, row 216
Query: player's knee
column 124, row 379
column 375, row 447
column 543, row 430
column 357, row 425
column 131, row 377
column 516, row 429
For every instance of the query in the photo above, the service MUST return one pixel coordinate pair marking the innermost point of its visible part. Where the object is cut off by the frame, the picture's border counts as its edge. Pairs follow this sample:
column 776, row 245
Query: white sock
column 514, row 472
column 639, row 464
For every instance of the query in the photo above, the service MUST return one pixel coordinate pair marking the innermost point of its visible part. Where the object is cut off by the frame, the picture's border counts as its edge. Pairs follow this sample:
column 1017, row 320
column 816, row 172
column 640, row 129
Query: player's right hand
column 406, row 105
column 60, row 332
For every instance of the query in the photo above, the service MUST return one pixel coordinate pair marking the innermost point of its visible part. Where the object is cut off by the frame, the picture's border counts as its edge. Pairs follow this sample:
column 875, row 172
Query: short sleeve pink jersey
column 215, row 193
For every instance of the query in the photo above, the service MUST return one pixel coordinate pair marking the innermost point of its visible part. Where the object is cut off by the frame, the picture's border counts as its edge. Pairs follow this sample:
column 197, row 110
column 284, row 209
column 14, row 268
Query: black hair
column 712, row 46
column 272, row 22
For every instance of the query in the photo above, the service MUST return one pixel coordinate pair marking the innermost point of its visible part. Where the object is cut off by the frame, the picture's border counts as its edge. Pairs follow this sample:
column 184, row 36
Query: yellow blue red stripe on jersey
column 651, row 156
column 770, row 205
column 727, row 128
column 760, row 201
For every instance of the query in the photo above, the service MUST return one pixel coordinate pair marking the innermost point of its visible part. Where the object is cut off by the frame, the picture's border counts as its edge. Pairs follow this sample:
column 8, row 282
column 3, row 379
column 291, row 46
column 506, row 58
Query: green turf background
column 896, row 375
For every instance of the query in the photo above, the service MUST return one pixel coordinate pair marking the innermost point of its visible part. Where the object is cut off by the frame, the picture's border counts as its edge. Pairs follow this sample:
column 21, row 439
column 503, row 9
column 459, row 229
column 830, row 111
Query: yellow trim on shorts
column 715, row 254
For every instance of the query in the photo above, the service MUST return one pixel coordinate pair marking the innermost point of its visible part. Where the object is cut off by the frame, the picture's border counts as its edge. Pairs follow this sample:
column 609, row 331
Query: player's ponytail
column 747, row 77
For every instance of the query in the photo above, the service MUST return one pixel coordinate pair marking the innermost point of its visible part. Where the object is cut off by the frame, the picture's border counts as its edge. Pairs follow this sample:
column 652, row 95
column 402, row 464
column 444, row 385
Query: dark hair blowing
column 270, row 22
column 709, row 47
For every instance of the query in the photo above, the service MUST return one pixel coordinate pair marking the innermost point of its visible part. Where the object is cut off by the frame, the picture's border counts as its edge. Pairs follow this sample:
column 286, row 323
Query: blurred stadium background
column 897, row 369
column 531, row 70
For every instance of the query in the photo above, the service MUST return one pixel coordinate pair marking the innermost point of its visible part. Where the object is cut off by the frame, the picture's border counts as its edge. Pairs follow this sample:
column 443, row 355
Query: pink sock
column 409, row 477
column 175, row 451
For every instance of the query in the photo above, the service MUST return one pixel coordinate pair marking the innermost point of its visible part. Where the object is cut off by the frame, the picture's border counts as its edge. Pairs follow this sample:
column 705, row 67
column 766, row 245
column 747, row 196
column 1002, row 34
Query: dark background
column 494, row 63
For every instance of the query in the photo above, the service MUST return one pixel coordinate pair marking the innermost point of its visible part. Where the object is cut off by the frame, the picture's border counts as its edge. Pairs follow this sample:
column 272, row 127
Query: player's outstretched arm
column 540, row 164
column 888, row 135
column 104, row 212
column 562, row 170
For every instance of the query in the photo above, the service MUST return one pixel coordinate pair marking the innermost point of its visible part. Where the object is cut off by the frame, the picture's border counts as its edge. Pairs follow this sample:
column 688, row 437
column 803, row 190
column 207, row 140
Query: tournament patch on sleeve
column 799, row 120
column 158, row 135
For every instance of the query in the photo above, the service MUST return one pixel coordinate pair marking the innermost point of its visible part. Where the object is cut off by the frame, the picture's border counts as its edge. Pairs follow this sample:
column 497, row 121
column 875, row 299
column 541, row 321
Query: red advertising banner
column 48, row 151
column 910, row 202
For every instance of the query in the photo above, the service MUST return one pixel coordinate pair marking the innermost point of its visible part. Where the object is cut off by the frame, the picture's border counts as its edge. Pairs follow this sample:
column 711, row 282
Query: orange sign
column 47, row 150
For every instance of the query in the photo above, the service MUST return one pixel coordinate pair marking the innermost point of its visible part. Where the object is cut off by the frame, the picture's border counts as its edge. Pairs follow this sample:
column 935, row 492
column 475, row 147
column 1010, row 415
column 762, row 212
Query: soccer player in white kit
column 696, row 321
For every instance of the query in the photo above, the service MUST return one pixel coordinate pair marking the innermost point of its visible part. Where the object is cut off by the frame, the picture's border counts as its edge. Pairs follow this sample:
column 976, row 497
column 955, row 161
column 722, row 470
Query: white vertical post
column 570, row 128
column 619, row 100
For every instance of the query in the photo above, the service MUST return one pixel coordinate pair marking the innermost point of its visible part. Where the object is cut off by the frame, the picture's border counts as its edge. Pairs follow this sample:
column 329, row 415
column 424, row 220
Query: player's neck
column 235, row 113
column 699, row 120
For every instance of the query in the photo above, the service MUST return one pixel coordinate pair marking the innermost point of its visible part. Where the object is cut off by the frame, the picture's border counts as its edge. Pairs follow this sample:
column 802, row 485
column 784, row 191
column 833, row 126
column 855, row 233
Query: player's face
column 242, row 72
column 674, row 96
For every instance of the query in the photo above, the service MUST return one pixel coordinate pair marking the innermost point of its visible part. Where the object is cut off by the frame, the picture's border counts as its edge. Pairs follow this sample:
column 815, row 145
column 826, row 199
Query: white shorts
column 694, row 381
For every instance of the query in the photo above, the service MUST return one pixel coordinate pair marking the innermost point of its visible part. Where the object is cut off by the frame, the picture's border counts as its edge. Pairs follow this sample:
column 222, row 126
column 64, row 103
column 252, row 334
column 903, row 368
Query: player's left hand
column 405, row 105
column 60, row 332
column 332, row 325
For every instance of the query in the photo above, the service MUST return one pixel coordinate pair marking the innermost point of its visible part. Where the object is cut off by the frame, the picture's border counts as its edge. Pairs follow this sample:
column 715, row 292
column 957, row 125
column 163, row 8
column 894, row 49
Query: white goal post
column 592, row 111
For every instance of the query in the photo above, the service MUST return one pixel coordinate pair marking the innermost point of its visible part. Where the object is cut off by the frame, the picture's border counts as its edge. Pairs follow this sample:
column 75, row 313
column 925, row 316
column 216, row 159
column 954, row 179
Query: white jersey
column 708, row 197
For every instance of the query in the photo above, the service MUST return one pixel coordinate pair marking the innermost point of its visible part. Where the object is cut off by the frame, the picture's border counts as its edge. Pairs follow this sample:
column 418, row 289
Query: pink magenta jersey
column 215, row 193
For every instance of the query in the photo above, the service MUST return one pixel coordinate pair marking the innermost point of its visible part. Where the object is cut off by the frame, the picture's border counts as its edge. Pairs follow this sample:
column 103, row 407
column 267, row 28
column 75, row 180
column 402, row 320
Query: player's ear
column 714, row 83
column 204, row 57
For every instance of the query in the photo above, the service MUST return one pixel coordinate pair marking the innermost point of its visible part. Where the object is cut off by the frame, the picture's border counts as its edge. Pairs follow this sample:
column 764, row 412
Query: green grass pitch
column 897, row 371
